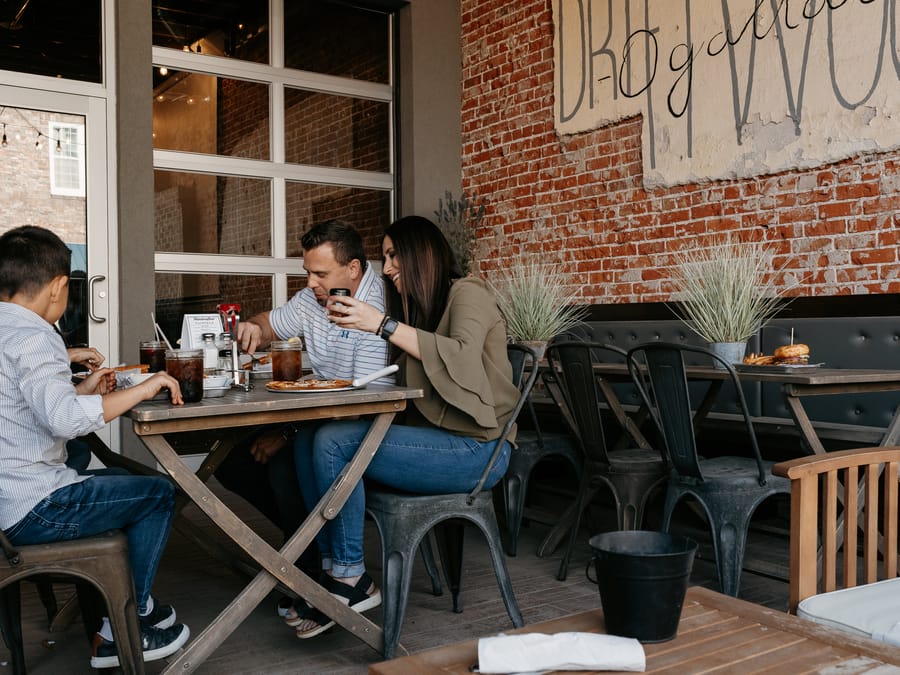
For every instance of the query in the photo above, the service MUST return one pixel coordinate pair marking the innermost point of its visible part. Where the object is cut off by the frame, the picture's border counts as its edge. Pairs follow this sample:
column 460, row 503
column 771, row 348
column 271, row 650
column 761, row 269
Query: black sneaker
column 162, row 616
column 157, row 643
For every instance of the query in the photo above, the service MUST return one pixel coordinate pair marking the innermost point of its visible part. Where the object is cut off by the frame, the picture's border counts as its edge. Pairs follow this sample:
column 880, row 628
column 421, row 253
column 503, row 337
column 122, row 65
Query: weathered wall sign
column 732, row 88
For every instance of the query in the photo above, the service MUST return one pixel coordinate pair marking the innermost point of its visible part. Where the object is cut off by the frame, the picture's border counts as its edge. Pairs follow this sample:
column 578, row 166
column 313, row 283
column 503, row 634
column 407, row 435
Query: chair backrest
column 818, row 486
column 572, row 363
column 658, row 372
column 524, row 362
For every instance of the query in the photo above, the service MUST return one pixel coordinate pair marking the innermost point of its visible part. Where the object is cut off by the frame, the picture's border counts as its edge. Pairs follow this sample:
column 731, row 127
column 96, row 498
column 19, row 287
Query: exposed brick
column 833, row 226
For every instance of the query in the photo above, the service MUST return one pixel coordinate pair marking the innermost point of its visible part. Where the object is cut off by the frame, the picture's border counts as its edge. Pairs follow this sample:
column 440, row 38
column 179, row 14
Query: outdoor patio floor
column 199, row 588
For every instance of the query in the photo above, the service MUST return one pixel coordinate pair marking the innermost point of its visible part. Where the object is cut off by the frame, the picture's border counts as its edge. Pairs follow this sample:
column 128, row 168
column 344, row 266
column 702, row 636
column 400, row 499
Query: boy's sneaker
column 157, row 643
column 161, row 616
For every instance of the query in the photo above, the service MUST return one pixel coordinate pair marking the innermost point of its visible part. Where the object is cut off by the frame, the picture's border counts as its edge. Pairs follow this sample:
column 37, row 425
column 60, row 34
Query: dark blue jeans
column 422, row 460
column 141, row 506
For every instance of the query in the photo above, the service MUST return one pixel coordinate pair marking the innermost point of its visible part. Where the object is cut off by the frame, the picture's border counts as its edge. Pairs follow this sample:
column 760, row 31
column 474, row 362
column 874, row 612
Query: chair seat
column 736, row 473
column 636, row 460
column 871, row 610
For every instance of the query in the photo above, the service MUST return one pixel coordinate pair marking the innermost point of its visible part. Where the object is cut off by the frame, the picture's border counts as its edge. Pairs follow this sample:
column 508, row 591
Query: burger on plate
column 797, row 354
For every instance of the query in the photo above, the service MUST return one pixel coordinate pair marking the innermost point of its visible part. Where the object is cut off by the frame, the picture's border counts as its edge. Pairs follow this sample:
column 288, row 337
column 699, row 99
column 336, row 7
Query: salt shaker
column 210, row 354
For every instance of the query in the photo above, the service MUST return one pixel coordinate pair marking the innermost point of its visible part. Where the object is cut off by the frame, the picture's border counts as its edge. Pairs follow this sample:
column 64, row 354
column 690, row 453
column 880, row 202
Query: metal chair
column 532, row 446
column 404, row 520
column 728, row 488
column 629, row 474
column 101, row 562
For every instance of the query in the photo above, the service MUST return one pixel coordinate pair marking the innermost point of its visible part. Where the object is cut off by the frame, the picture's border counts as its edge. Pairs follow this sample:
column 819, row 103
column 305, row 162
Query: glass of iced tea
column 286, row 359
column 153, row 354
column 186, row 366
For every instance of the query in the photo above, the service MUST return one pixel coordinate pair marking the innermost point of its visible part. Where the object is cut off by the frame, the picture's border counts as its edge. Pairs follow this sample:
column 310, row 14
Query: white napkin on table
column 535, row 652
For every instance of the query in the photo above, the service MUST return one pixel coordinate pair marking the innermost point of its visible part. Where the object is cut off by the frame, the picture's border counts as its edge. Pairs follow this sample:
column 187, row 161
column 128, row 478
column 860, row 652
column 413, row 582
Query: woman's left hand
column 348, row 312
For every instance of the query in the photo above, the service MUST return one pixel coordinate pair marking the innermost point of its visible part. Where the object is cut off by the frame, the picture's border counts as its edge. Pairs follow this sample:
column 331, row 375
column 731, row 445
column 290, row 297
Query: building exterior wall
column 581, row 200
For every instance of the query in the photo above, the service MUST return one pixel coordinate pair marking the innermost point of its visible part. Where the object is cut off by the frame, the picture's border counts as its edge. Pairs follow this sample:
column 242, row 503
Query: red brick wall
column 579, row 200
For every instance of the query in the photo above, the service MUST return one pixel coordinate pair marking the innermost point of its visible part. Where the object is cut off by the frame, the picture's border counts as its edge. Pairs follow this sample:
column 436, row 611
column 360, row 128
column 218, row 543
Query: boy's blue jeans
column 141, row 506
column 422, row 460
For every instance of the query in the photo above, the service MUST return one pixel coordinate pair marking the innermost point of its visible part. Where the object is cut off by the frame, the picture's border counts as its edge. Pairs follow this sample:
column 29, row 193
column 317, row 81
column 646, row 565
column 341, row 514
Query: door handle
column 93, row 280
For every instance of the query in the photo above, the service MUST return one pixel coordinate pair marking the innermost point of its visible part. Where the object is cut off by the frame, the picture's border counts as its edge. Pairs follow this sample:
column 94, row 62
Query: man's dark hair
column 30, row 258
column 343, row 237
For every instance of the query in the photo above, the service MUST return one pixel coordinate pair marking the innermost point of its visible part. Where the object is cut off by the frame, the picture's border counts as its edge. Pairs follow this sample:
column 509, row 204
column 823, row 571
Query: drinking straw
column 159, row 331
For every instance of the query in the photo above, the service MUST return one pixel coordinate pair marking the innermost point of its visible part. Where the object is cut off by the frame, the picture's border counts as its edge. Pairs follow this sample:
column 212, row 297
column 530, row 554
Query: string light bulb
column 163, row 71
column 4, row 142
column 37, row 141
column 58, row 145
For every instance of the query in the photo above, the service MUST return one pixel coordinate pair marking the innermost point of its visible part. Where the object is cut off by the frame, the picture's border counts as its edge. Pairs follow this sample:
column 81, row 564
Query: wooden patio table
column 238, row 408
column 716, row 633
column 795, row 385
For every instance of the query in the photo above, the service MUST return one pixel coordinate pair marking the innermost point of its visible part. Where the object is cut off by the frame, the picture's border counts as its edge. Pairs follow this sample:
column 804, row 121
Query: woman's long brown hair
column 427, row 268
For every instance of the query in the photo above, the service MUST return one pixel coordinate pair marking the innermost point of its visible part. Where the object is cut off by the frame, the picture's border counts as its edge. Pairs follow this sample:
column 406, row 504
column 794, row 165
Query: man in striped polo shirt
column 262, row 470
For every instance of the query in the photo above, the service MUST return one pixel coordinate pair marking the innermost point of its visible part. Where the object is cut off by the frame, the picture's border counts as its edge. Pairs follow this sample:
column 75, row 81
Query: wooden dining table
column 796, row 385
column 716, row 633
column 154, row 420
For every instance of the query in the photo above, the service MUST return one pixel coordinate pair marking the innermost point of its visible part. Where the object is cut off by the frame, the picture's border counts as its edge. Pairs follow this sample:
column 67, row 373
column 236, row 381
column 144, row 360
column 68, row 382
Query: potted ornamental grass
column 536, row 304
column 727, row 292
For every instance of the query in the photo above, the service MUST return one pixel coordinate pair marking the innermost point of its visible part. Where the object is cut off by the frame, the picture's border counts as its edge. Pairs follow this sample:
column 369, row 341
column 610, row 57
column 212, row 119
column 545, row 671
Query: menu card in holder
column 193, row 326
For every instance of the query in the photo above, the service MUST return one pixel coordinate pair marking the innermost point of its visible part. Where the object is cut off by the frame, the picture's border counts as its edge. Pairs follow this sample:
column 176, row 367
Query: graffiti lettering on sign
column 731, row 88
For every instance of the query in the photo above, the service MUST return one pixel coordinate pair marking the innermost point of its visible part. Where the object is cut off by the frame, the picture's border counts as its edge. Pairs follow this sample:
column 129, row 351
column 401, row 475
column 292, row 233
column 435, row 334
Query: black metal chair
column 629, row 474
column 404, row 520
column 532, row 446
column 728, row 488
column 98, row 565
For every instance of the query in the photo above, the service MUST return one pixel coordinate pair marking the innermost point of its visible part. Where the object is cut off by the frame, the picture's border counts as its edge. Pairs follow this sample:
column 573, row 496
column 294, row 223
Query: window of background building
column 266, row 119
column 65, row 143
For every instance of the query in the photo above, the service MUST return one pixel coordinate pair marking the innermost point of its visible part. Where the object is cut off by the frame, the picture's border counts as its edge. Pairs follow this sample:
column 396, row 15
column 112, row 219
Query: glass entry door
column 53, row 174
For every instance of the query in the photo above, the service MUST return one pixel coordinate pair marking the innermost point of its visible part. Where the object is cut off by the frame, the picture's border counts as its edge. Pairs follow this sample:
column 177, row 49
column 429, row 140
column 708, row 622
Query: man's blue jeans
column 141, row 506
column 421, row 460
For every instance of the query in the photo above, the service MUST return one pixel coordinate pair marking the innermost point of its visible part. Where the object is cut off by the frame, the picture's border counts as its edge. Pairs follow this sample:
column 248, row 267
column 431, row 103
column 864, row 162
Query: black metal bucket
column 642, row 577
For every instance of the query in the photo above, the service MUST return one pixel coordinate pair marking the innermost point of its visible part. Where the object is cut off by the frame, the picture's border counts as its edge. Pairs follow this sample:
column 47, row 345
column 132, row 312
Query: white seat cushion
column 871, row 610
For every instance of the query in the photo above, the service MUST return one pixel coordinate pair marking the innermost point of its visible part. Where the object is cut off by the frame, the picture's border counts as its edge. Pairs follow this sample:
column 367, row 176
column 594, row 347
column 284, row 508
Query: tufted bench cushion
column 871, row 610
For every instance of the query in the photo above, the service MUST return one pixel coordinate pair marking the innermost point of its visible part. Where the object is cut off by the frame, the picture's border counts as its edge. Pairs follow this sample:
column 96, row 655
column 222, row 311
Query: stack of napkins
column 537, row 652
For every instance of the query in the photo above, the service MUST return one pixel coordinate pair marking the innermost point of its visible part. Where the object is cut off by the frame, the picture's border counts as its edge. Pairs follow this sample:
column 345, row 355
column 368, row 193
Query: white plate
column 309, row 391
column 276, row 390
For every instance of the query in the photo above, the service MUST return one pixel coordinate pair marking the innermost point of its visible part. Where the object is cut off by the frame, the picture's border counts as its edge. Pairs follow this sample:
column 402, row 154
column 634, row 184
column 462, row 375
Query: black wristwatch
column 388, row 328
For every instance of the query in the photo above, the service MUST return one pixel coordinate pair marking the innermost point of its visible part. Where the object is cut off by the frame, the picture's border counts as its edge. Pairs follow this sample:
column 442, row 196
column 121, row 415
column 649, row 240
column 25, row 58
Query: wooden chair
column 829, row 508
column 101, row 561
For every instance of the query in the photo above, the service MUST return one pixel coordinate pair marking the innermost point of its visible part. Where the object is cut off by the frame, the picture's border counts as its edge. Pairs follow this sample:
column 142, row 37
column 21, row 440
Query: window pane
column 180, row 294
column 218, row 116
column 58, row 38
column 335, row 39
column 367, row 210
column 336, row 131
column 198, row 213
column 233, row 28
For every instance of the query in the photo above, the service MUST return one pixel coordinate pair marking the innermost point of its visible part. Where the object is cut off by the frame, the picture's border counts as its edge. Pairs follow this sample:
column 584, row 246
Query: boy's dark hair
column 343, row 237
column 30, row 258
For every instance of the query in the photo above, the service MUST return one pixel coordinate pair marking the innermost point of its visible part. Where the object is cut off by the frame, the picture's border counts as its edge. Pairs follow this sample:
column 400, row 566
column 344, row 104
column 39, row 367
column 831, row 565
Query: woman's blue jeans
column 141, row 506
column 421, row 460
